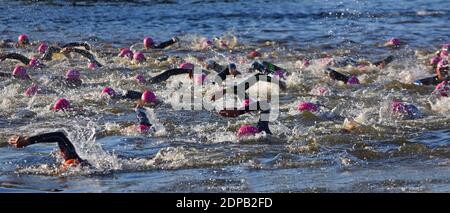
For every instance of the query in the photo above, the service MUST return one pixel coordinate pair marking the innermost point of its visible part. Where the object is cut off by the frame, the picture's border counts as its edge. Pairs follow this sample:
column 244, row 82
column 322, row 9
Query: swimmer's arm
column 168, row 73
column 15, row 56
column 84, row 53
column 130, row 94
column 49, row 53
column 165, row 44
column 384, row 62
column 66, row 147
column 264, row 126
column 4, row 74
column 77, row 44
column 336, row 75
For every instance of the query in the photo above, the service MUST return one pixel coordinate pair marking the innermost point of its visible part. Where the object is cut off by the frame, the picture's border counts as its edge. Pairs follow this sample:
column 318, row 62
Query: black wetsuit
column 84, row 53
column 164, row 44
column 65, row 146
column 25, row 60
column 142, row 117
column 247, row 84
column 129, row 94
column 225, row 72
column 168, row 73
column 336, row 75
column 266, row 67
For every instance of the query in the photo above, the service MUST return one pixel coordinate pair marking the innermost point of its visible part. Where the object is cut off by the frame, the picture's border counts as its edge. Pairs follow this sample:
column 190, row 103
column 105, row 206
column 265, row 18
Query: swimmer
column 268, row 68
column 442, row 74
column 146, row 97
column 66, row 148
column 250, row 130
column 30, row 62
column 19, row 72
column 229, row 70
column 84, row 53
column 150, row 44
column 184, row 68
column 333, row 74
column 50, row 51
column 404, row 110
column 246, row 84
column 346, row 61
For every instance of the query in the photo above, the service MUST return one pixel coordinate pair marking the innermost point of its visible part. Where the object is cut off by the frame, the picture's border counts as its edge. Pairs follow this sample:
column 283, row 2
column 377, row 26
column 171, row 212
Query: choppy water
column 197, row 150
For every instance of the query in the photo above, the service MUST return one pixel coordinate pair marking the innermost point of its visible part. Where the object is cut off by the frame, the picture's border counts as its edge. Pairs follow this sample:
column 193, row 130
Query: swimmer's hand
column 231, row 113
column 18, row 141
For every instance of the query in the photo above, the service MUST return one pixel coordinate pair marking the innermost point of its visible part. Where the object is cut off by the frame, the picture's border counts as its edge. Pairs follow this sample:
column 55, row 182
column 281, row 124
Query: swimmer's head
column 307, row 106
column 148, row 97
column 140, row 79
column 143, row 128
column 23, row 39
column 395, row 42
column 435, row 60
column 61, row 104
column 70, row 163
column 247, row 130
column 92, row 66
column 139, row 56
column 210, row 64
column 73, row 74
column 42, row 48
column 109, row 91
column 232, row 68
column 306, row 63
column 20, row 72
column 148, row 42
column 187, row 66
column 125, row 52
column 34, row 62
column 253, row 54
column 246, row 103
column 397, row 106
column 32, row 90
column 442, row 89
column 353, row 80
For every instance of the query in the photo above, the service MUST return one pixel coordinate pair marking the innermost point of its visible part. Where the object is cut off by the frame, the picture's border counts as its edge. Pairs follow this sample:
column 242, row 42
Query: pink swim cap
column 206, row 43
column 20, row 72
column 148, row 97
column 148, row 42
column 435, row 60
column 442, row 89
column 110, row 91
column 223, row 44
column 140, row 79
column 254, row 54
column 142, row 128
column 92, row 66
column 32, row 90
column 61, row 104
column 306, row 63
column 323, row 90
column 125, row 52
column 444, row 54
column 187, row 65
column 72, row 74
column 394, row 42
column 307, row 106
column 353, row 80
column 397, row 106
column 247, row 130
column 199, row 78
column 34, row 62
column 139, row 56
column 42, row 48
column 23, row 39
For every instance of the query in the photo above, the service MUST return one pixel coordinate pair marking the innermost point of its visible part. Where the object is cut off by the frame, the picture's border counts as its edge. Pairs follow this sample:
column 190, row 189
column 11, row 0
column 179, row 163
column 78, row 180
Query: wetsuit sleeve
column 64, row 144
column 385, row 61
column 167, row 74
column 257, row 66
column 223, row 75
column 4, row 74
column 49, row 53
column 428, row 81
column 165, row 44
column 86, row 54
column 16, row 56
column 77, row 44
column 336, row 75
column 130, row 94
column 142, row 116
column 271, row 68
